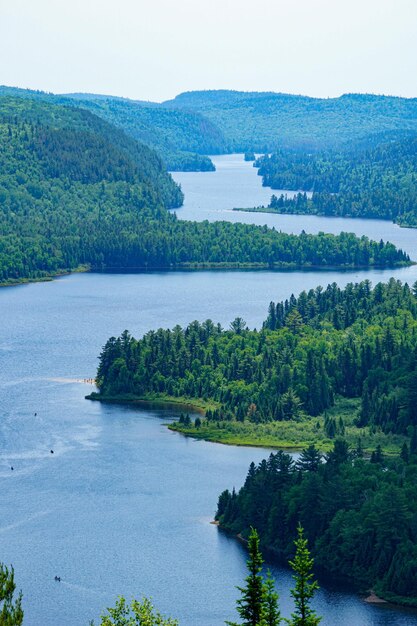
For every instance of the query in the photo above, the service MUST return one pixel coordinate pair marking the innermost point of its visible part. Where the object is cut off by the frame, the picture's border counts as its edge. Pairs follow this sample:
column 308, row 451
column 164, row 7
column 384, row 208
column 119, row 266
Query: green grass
column 296, row 435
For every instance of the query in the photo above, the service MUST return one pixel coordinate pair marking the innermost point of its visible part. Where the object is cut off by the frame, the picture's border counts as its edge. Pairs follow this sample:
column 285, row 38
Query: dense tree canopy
column 380, row 182
column 354, row 342
column 262, row 122
column 181, row 138
column 359, row 516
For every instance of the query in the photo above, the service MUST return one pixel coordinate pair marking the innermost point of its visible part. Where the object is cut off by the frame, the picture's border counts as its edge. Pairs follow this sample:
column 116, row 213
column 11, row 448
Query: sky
column 155, row 49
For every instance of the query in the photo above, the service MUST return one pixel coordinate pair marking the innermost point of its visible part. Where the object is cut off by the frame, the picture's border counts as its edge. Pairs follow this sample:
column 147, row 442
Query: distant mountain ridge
column 197, row 123
column 265, row 121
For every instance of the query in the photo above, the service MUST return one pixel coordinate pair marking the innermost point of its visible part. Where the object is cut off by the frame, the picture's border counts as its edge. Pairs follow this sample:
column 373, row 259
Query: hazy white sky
column 154, row 49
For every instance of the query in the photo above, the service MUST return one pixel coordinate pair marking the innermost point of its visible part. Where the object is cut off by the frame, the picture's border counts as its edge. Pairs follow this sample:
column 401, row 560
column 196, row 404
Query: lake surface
column 123, row 505
column 235, row 183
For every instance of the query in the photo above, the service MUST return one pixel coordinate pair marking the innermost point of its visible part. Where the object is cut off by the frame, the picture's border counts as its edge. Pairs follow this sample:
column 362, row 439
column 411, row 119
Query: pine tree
column 304, row 586
column 251, row 606
column 413, row 442
column 11, row 612
column 272, row 615
column 405, row 455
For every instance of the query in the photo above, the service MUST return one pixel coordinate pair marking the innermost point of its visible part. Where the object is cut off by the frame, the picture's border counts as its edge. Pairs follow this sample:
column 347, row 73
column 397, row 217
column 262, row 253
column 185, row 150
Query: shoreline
column 193, row 404
column 267, row 209
column 197, row 406
column 281, row 445
column 276, row 441
column 210, row 267
column 81, row 269
column 368, row 597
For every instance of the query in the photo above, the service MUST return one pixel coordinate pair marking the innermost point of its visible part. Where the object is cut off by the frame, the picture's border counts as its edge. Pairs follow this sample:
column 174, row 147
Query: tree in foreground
column 305, row 587
column 11, row 612
column 251, row 606
column 272, row 614
column 136, row 614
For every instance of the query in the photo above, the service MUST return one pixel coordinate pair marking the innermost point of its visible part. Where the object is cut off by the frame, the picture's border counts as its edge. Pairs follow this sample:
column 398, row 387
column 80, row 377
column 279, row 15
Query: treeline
column 359, row 516
column 76, row 191
column 376, row 183
column 354, row 342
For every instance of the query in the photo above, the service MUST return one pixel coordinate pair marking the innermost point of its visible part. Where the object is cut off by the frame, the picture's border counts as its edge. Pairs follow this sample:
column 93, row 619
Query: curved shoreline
column 210, row 267
column 271, row 210
column 196, row 405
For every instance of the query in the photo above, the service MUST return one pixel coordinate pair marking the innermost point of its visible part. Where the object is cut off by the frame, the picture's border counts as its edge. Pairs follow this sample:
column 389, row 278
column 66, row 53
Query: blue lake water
column 123, row 505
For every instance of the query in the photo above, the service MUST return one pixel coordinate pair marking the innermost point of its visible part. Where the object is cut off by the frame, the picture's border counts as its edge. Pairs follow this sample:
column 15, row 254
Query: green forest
column 266, row 121
column 336, row 365
column 331, row 362
column 194, row 124
column 182, row 139
column 359, row 515
column 76, row 191
column 380, row 182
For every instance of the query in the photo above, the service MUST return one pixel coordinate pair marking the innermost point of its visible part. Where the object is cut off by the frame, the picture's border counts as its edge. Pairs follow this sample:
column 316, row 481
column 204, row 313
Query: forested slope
column 263, row 121
column 380, row 182
column 181, row 138
column 359, row 516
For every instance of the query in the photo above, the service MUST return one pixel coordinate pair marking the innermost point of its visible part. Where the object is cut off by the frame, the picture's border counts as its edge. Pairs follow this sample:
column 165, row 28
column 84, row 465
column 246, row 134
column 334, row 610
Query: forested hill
column 265, row 121
column 43, row 140
column 326, row 344
column 198, row 123
column 74, row 190
column 380, row 182
column 181, row 138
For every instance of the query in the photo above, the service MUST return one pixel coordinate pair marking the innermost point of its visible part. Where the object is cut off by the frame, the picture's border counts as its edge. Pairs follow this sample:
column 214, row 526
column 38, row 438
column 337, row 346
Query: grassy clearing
column 296, row 435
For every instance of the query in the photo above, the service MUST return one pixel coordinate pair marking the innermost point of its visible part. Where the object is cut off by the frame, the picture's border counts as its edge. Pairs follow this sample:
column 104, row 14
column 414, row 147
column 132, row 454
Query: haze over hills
column 194, row 124
column 264, row 121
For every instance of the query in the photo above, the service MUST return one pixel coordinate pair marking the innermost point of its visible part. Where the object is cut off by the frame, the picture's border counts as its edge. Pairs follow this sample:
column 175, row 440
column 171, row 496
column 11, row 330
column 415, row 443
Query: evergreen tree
column 137, row 613
column 405, row 455
column 272, row 612
column 304, row 586
column 413, row 442
column 11, row 612
column 251, row 606
column 310, row 459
